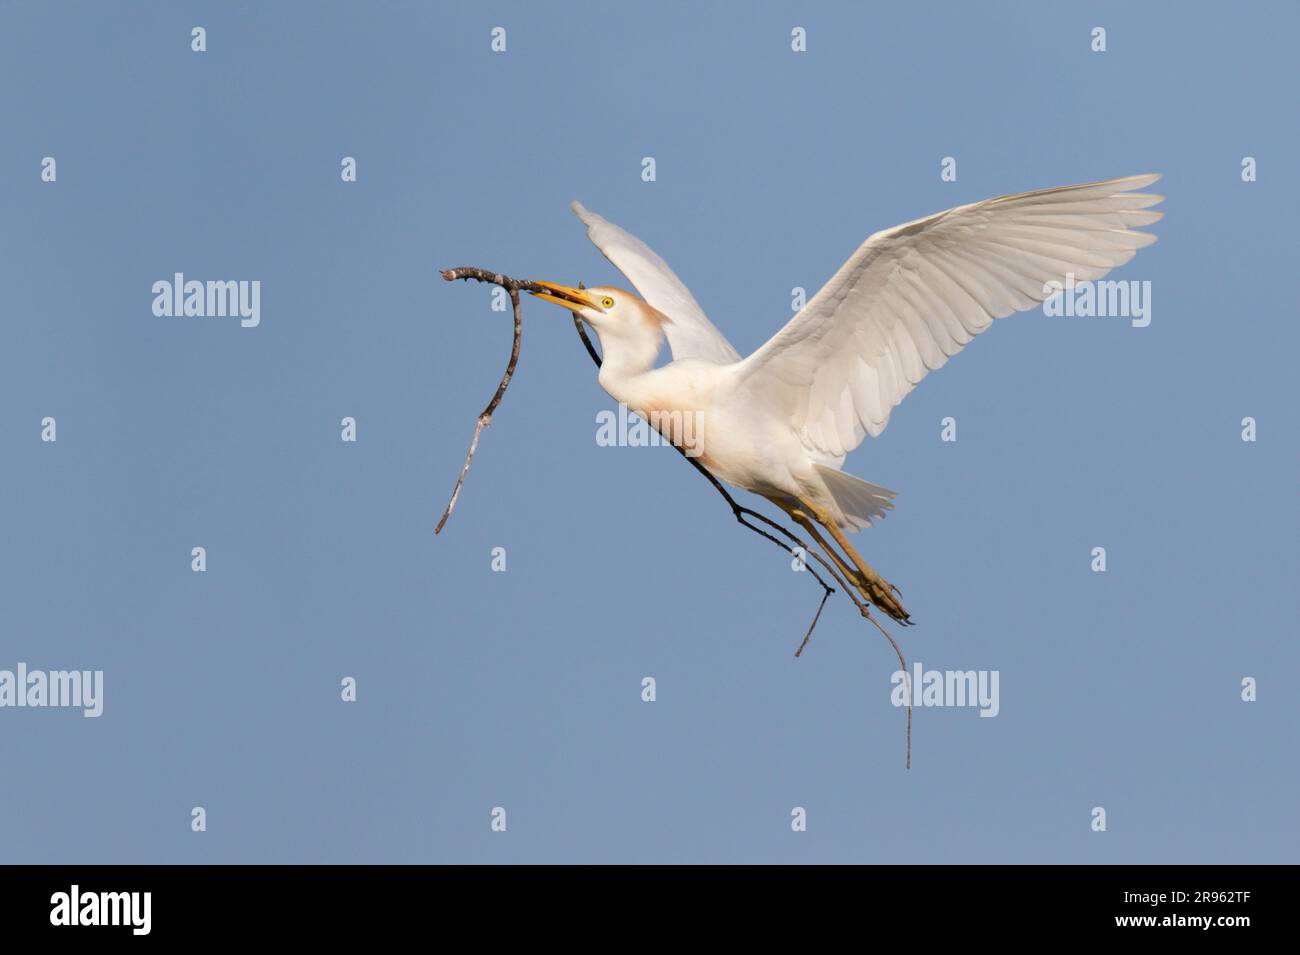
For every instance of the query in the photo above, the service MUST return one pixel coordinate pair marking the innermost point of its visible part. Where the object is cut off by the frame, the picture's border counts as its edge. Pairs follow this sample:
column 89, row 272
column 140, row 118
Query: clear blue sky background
column 522, row 689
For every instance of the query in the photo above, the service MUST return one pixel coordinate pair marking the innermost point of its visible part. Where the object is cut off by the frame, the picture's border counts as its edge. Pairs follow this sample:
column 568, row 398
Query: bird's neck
column 625, row 358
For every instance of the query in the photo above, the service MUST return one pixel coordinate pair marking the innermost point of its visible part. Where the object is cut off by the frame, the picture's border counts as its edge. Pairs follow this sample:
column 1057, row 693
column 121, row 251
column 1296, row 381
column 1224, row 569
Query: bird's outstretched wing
column 913, row 296
column 690, row 333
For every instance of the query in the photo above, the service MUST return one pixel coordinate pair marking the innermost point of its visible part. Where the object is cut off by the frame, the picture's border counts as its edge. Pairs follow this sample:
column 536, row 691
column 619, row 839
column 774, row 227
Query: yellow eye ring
column 606, row 302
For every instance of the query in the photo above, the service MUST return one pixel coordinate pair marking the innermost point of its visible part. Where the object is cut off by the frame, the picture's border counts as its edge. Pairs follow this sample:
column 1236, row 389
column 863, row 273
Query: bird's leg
column 878, row 590
column 802, row 518
column 874, row 588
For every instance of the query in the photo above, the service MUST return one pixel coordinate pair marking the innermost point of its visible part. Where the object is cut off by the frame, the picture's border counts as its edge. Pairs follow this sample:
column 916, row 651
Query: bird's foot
column 881, row 593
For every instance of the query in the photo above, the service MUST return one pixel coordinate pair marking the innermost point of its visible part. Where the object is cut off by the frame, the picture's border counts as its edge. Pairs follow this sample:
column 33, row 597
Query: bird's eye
column 606, row 302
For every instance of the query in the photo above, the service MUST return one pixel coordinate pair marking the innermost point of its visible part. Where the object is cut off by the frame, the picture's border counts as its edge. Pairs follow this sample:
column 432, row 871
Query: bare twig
column 512, row 286
column 907, row 680
column 817, row 616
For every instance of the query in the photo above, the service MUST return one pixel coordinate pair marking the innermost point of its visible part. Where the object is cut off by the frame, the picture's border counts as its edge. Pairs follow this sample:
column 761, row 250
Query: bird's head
column 619, row 317
column 598, row 307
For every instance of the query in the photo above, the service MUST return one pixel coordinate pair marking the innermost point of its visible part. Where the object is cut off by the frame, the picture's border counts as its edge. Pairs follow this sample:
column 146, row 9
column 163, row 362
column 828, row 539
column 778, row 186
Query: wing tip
column 1142, row 180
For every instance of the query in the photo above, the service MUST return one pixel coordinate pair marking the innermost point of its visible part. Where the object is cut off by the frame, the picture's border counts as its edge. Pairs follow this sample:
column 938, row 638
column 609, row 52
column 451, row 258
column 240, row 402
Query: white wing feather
column 913, row 296
column 690, row 333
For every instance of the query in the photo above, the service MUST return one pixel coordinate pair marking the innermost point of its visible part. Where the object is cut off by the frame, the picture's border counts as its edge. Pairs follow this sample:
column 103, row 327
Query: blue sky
column 522, row 689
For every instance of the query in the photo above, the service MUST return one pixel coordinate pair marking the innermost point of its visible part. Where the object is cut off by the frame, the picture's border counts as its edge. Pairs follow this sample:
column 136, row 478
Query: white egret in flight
column 780, row 422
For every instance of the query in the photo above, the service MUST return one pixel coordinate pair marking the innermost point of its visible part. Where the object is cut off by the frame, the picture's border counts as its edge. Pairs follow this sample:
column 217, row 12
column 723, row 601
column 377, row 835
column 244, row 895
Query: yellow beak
column 568, row 297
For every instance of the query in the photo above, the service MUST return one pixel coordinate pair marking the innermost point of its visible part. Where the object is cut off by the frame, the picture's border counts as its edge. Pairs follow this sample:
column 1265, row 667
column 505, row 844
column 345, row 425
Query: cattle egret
column 780, row 422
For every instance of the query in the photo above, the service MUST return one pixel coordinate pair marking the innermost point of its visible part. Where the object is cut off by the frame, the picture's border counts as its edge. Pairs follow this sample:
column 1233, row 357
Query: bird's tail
column 860, row 502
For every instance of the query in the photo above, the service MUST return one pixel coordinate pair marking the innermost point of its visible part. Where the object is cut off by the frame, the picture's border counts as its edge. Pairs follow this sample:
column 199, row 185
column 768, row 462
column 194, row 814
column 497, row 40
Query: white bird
column 780, row 422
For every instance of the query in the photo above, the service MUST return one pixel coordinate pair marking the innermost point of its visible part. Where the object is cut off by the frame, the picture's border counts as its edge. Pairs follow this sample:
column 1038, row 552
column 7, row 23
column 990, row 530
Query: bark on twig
column 513, row 286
